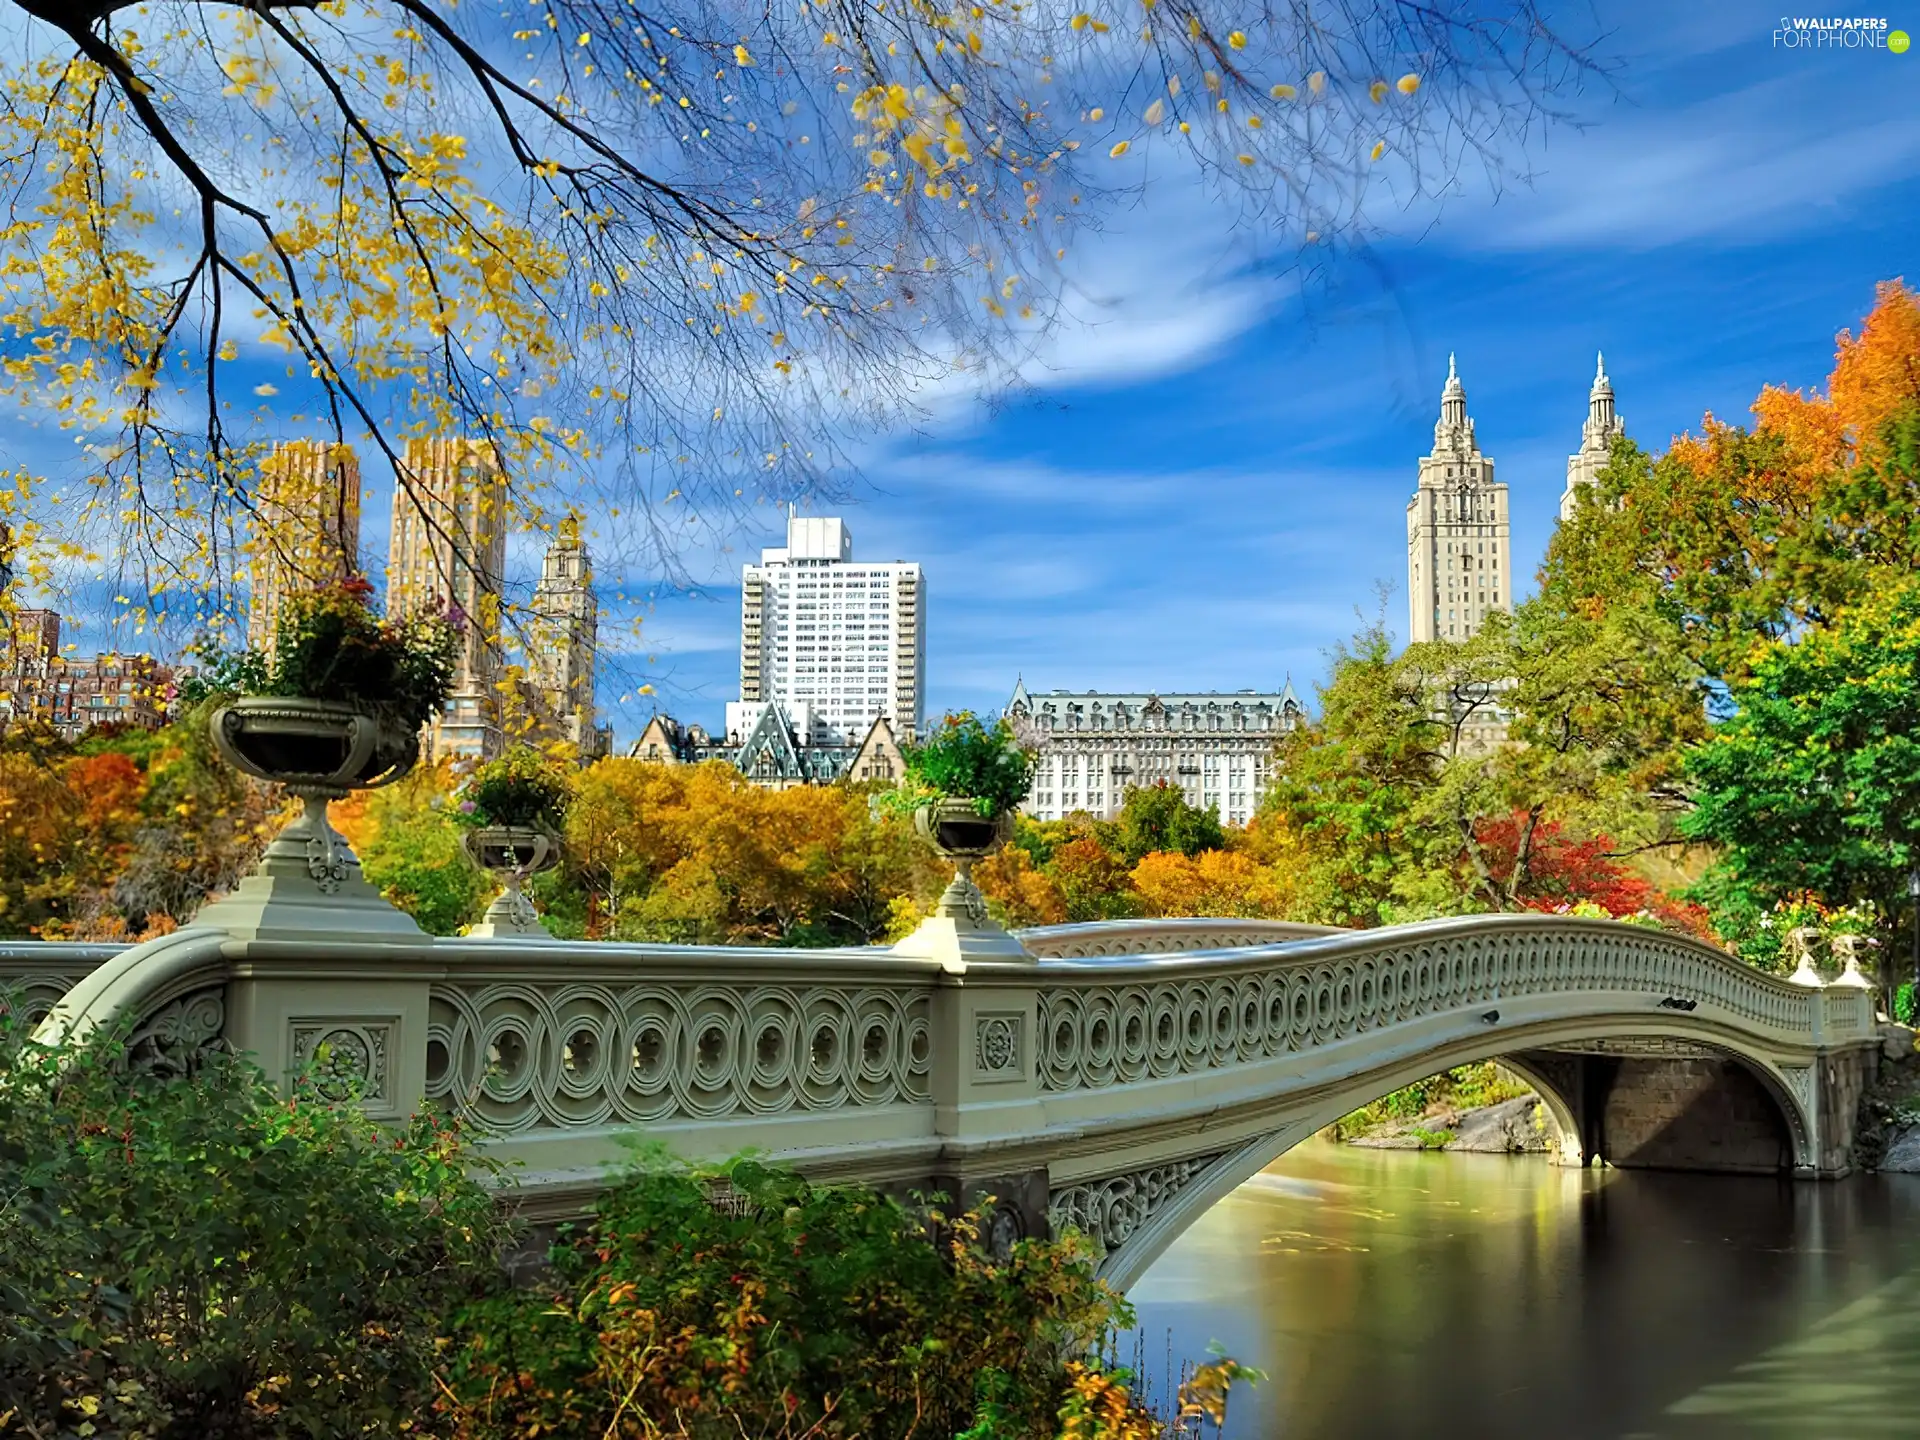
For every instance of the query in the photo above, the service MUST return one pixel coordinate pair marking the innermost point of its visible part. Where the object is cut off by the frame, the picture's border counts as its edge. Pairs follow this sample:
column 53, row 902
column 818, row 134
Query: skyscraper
column 448, row 552
column 1596, row 437
column 563, row 634
column 1459, row 565
column 306, row 529
column 835, row 642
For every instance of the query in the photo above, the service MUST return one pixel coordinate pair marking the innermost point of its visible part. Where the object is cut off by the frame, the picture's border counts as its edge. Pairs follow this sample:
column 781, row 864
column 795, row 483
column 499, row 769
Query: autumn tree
column 1402, row 805
column 668, row 252
column 1740, row 537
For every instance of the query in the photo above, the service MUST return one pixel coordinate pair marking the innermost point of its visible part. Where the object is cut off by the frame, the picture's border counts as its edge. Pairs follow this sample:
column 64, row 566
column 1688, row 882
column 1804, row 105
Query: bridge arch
column 1145, row 1210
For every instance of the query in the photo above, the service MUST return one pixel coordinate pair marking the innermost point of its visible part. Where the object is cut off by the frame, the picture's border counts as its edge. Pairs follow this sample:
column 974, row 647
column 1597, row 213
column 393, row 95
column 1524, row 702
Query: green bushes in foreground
column 198, row 1256
column 202, row 1257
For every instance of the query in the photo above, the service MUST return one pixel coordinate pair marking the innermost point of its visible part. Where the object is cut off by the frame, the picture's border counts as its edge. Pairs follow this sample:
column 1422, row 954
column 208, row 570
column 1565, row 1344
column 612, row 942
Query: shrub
column 520, row 789
column 793, row 1311
column 197, row 1258
column 966, row 759
column 329, row 645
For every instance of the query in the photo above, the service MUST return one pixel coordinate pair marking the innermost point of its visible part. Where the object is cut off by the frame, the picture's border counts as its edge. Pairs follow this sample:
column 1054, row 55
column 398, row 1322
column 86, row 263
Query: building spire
column 1601, row 421
column 1453, row 399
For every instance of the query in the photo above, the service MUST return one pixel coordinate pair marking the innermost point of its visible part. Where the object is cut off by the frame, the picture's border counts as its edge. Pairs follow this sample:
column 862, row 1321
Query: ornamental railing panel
column 1107, row 1024
column 523, row 1053
column 36, row 974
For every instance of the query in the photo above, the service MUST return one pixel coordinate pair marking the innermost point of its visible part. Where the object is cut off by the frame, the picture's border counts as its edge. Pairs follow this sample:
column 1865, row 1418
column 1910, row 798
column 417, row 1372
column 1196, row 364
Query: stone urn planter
column 511, row 853
column 316, row 748
column 961, row 835
column 309, row 881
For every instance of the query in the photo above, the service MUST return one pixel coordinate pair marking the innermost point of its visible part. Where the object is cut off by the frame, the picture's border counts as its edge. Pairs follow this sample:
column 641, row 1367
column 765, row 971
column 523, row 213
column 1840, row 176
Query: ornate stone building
column 306, row 529
column 448, row 550
column 563, row 630
column 773, row 752
column 1604, row 425
column 1217, row 747
column 1459, row 556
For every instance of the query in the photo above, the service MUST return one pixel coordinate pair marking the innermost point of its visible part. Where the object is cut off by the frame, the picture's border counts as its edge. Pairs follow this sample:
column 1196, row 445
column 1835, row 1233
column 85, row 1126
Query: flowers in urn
column 962, row 786
column 335, row 705
column 338, row 701
column 512, row 810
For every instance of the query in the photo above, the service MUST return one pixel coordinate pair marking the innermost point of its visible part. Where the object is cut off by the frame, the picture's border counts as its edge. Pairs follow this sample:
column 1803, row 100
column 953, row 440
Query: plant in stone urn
column 336, row 705
column 963, row 785
column 512, row 809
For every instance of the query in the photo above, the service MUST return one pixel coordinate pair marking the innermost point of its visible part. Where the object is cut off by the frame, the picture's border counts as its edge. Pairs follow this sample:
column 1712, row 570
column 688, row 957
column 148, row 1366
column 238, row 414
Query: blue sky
column 1205, row 488
column 1205, row 478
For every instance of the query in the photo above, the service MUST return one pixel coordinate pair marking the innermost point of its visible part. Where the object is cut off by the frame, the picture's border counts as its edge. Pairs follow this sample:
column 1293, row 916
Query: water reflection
column 1394, row 1293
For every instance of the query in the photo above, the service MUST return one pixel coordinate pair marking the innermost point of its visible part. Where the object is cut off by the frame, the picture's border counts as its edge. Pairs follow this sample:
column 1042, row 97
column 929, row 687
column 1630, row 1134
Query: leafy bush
column 792, row 1311
column 520, row 789
column 968, row 760
column 199, row 1259
column 329, row 645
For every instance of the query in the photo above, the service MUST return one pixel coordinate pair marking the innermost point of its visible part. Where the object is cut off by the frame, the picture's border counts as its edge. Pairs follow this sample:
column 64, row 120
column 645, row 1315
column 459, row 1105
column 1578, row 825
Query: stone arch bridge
column 1119, row 1076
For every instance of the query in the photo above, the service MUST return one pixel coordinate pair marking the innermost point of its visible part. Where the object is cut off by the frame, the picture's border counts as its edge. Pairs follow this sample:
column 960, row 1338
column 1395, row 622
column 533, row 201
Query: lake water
column 1398, row 1294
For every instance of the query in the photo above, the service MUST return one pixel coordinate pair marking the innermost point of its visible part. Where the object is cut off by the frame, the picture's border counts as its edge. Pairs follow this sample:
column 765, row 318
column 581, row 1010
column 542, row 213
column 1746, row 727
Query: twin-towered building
column 1459, row 537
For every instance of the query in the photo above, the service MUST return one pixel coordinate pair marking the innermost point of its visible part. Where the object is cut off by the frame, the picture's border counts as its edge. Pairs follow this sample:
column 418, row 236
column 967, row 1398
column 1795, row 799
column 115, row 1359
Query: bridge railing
column 861, row 1062
column 37, row 973
column 1117, row 1021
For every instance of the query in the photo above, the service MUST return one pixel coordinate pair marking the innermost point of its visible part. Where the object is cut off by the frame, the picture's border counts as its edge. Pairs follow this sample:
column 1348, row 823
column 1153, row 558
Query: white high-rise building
column 837, row 641
column 1596, row 438
column 1459, row 555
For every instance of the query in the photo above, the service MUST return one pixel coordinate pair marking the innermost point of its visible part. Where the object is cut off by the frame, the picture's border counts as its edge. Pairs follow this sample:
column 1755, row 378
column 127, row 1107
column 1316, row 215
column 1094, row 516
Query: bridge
column 1120, row 1077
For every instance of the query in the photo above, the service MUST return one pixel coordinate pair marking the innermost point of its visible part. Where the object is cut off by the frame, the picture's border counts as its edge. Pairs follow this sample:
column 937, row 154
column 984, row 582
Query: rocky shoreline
column 1512, row 1127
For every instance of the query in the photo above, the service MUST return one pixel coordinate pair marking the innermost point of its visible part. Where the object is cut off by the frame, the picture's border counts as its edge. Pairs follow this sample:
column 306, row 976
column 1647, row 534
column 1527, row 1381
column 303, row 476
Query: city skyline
column 1196, row 488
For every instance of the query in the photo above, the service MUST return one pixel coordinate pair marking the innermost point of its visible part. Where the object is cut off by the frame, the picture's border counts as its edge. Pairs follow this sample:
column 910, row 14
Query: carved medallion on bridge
column 178, row 1036
column 346, row 1057
column 524, row 1053
column 1095, row 1031
column 1110, row 1210
column 996, row 1046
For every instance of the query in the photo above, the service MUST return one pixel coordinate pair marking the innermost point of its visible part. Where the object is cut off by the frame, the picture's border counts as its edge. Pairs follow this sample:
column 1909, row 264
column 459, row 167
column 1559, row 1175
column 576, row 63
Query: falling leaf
column 741, row 57
column 1378, row 91
column 1379, row 148
column 1408, row 84
column 1317, row 81
column 1237, row 40
column 266, row 387
column 1156, row 112
column 1283, row 92
column 1120, row 149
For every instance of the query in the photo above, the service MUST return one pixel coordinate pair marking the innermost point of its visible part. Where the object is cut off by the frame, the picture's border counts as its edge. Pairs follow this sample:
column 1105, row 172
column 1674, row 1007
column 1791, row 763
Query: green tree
column 1159, row 817
column 1813, row 785
column 413, row 856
